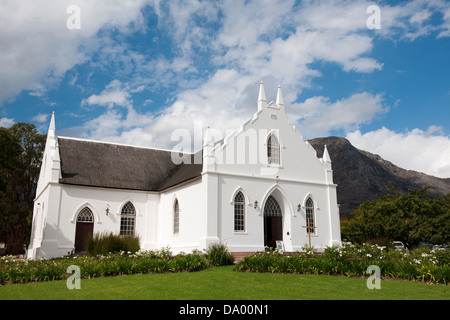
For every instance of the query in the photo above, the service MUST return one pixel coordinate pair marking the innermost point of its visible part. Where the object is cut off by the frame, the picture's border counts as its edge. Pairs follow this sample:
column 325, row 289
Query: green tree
column 21, row 153
column 409, row 217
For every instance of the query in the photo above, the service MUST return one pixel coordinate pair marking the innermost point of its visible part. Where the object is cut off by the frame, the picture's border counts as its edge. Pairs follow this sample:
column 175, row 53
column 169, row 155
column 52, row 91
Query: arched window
column 239, row 212
column 85, row 215
column 310, row 221
column 127, row 219
column 273, row 149
column 176, row 217
column 272, row 208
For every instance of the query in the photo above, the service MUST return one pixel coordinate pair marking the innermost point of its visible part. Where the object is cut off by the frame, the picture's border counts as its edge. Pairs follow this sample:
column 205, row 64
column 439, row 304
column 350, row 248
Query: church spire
column 279, row 101
column 262, row 101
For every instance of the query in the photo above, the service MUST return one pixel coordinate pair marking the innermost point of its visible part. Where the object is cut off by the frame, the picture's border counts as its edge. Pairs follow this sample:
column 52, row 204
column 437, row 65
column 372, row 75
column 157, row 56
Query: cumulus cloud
column 318, row 116
column 274, row 41
column 41, row 118
column 424, row 151
column 222, row 51
column 115, row 93
column 38, row 48
column 6, row 122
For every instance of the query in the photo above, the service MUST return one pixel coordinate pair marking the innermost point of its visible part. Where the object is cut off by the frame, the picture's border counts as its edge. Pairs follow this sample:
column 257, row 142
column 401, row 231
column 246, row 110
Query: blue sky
column 135, row 71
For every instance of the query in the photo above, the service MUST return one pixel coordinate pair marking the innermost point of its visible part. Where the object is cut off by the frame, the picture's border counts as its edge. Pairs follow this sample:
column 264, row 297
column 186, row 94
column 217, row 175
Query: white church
column 261, row 185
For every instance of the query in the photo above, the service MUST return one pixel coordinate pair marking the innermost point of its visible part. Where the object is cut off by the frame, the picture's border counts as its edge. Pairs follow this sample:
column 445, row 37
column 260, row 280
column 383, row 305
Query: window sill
column 271, row 165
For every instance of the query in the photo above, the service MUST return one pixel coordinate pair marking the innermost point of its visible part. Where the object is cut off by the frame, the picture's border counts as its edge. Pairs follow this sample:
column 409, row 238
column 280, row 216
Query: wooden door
column 83, row 231
column 273, row 230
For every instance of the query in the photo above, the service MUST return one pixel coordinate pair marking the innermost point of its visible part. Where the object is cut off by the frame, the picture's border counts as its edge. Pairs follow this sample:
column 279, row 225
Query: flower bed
column 353, row 260
column 13, row 270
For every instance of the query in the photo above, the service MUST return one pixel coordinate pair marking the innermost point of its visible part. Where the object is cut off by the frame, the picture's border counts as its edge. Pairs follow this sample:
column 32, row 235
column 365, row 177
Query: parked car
column 439, row 247
column 400, row 246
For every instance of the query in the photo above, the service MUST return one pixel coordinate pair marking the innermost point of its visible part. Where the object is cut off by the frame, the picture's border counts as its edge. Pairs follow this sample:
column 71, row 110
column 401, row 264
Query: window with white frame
column 127, row 219
column 176, row 218
column 239, row 212
column 310, row 221
column 273, row 149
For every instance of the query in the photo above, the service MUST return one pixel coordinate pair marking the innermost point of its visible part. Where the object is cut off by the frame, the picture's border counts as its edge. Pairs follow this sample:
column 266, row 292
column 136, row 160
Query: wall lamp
column 299, row 207
column 255, row 204
column 107, row 209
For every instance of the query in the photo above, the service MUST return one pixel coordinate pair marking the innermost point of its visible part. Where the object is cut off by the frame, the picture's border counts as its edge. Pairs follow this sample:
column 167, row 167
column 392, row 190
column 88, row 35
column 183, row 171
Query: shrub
column 218, row 255
column 353, row 261
column 103, row 243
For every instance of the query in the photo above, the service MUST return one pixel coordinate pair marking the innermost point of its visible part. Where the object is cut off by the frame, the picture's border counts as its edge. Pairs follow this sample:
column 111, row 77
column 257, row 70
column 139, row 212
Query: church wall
column 74, row 198
column 38, row 222
column 192, row 222
column 245, row 152
column 289, row 195
column 67, row 201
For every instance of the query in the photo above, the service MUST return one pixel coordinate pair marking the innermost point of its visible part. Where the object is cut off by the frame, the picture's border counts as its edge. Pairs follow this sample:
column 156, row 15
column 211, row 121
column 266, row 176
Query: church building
column 260, row 186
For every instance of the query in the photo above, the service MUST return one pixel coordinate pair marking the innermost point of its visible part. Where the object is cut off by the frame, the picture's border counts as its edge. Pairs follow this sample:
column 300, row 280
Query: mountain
column 361, row 175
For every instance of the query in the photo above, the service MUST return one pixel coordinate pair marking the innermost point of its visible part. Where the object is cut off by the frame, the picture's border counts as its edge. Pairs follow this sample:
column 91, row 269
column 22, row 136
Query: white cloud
column 114, row 94
column 38, row 48
column 40, row 118
column 412, row 19
column 423, row 151
column 318, row 116
column 237, row 43
column 6, row 122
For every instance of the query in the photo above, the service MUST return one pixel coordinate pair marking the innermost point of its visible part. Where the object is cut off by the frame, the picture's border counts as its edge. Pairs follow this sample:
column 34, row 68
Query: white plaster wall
column 191, row 200
column 245, row 152
column 289, row 195
column 66, row 201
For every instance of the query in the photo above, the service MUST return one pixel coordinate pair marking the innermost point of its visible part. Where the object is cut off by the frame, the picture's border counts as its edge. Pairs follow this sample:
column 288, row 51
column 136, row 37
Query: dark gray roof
column 98, row 164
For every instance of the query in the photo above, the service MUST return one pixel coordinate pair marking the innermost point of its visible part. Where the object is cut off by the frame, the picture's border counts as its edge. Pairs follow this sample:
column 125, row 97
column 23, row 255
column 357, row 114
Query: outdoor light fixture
column 107, row 209
column 299, row 207
column 256, row 204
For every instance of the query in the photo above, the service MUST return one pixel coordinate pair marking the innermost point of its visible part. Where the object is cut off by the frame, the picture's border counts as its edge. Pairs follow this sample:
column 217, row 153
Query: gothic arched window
column 127, row 219
column 176, row 217
column 310, row 221
column 273, row 149
column 239, row 212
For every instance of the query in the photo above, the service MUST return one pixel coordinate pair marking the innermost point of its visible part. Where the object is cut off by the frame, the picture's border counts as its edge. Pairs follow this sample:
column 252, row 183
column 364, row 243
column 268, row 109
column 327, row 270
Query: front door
column 273, row 227
column 84, row 229
column 273, row 223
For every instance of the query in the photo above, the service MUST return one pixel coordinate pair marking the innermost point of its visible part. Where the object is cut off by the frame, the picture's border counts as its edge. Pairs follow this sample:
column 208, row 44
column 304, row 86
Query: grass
column 222, row 283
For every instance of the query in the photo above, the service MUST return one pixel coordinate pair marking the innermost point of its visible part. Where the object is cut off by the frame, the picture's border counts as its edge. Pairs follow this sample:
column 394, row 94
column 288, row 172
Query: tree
column 20, row 159
column 410, row 217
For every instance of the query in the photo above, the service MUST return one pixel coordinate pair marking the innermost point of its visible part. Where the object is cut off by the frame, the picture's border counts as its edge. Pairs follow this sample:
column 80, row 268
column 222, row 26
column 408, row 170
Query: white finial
column 262, row 101
column 326, row 156
column 52, row 122
column 279, row 101
column 207, row 140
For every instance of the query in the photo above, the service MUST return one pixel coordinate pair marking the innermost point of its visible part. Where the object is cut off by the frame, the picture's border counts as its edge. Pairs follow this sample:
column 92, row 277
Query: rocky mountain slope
column 361, row 175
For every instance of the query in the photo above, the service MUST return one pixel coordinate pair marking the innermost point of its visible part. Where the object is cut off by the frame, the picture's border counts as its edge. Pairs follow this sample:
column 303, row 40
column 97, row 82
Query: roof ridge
column 124, row 145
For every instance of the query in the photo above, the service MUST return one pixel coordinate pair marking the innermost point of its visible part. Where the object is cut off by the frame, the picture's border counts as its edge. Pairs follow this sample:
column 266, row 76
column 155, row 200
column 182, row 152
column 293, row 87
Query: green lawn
column 222, row 283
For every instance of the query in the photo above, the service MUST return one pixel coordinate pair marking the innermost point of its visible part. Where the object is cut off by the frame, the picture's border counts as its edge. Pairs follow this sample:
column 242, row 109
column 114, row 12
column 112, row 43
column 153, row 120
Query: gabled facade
column 262, row 185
